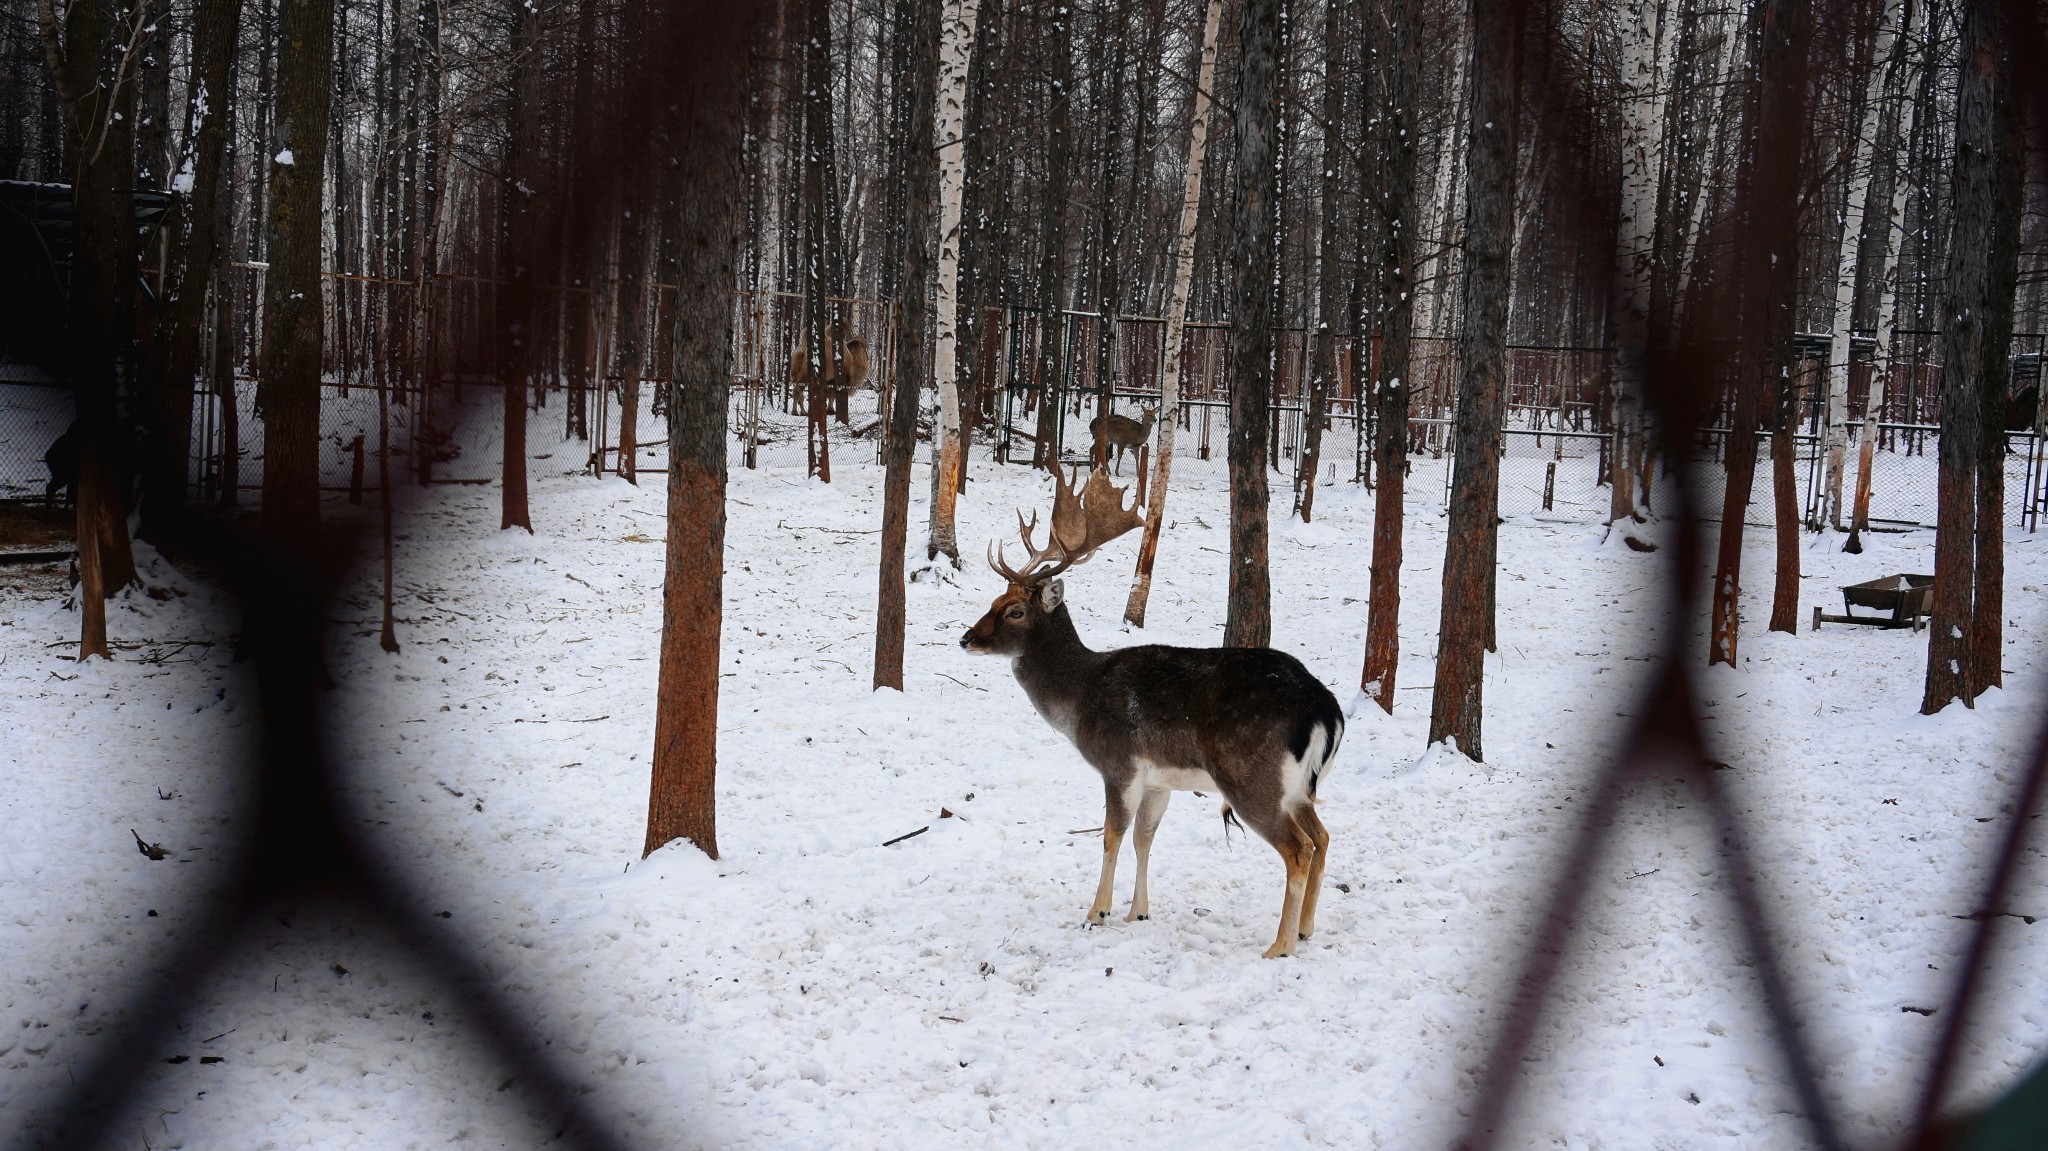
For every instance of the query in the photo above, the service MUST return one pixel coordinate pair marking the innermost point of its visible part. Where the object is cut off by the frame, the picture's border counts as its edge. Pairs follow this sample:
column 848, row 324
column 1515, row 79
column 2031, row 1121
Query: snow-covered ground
column 813, row 988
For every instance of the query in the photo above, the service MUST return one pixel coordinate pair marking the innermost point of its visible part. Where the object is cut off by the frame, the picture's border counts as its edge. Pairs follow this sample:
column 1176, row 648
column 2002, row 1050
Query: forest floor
column 815, row 988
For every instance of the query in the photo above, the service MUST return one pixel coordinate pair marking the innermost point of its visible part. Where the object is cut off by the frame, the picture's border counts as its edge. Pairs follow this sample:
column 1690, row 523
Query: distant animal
column 62, row 459
column 850, row 374
column 1121, row 433
column 1249, row 723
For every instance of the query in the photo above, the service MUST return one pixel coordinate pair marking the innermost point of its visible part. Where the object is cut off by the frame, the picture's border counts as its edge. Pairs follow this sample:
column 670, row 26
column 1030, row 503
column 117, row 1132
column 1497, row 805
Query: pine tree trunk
column 288, row 392
column 1390, row 430
column 1052, row 241
column 1473, row 536
column 918, row 23
column 173, row 365
column 950, row 448
column 632, row 289
column 1176, row 321
column 1250, row 619
column 521, row 259
column 709, row 80
column 1964, row 628
column 1769, row 277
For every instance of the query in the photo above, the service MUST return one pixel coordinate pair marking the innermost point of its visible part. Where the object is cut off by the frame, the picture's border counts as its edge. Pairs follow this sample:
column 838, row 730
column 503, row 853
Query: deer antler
column 1081, row 522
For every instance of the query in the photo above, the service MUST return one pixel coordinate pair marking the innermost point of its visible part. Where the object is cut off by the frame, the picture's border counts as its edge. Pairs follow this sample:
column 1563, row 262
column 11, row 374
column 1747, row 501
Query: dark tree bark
column 288, row 390
column 917, row 23
column 1769, row 279
column 632, row 341
column 1398, row 208
column 1252, row 258
column 1473, row 538
column 1052, row 245
column 195, row 248
column 84, row 57
column 522, row 258
column 708, row 73
column 1965, row 644
column 1785, row 519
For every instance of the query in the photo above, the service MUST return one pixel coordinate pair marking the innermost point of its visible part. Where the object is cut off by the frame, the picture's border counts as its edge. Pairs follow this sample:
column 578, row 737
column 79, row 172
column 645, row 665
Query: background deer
column 1250, row 723
column 849, row 373
column 1120, row 434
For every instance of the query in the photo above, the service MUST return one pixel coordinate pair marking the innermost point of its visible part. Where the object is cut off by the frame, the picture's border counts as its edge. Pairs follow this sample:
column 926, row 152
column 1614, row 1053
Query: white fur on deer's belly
column 1157, row 777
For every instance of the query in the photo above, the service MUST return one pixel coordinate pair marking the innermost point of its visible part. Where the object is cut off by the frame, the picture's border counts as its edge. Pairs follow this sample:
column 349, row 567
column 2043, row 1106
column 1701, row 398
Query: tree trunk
column 1877, row 260
column 1176, row 321
column 1330, row 294
column 1785, row 505
column 1964, row 643
column 710, row 89
column 1052, row 241
column 918, row 22
column 1250, row 619
column 521, row 258
column 632, row 291
column 1398, row 210
column 1473, row 537
column 176, row 351
column 288, row 392
column 949, row 445
column 1769, row 278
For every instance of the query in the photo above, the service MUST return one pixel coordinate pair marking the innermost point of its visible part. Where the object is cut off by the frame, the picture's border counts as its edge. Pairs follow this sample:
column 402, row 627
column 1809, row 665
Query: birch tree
column 1862, row 166
column 1176, row 319
column 949, row 446
column 1642, row 94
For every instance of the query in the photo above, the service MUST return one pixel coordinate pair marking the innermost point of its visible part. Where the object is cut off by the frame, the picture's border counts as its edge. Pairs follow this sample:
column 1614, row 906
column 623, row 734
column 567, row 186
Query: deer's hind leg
column 1116, row 819
column 1312, row 824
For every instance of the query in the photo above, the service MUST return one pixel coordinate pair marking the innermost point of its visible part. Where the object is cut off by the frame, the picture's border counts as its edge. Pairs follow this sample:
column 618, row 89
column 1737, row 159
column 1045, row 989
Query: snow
column 814, row 988
column 285, row 157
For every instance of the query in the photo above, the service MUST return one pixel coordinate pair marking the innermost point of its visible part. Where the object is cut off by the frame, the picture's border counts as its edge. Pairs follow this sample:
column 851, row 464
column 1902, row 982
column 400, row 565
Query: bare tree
column 522, row 258
column 1471, row 544
column 949, row 453
column 1397, row 211
column 707, row 45
column 288, row 393
column 918, row 24
column 1768, row 275
column 1176, row 319
column 194, row 250
column 1964, row 643
column 93, row 78
column 1250, row 619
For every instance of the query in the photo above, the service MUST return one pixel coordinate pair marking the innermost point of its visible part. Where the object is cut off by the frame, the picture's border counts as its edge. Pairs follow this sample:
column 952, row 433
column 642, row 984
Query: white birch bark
column 1836, row 432
column 956, row 42
column 1644, row 70
column 1176, row 320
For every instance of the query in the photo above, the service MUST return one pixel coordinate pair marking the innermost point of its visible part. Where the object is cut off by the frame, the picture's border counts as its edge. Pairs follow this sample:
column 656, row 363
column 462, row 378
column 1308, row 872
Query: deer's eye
column 1014, row 613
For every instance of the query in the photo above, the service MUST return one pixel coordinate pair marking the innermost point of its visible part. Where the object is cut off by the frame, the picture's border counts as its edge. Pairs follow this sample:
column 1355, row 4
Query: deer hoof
column 1134, row 917
column 1279, row 951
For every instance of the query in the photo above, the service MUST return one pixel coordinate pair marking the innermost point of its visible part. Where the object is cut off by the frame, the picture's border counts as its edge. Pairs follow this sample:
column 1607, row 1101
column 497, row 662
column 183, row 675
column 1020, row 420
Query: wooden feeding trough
column 1902, row 597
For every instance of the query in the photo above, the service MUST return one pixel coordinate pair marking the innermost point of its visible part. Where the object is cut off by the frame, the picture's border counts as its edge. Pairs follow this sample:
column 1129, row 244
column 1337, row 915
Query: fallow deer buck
column 1250, row 723
column 1115, row 433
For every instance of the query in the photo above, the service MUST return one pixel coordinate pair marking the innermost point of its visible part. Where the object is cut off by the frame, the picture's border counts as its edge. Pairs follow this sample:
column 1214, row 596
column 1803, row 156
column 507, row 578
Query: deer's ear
column 1053, row 594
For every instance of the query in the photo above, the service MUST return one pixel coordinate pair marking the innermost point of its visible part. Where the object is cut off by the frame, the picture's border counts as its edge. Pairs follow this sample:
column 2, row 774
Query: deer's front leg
column 1151, row 810
column 1116, row 819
